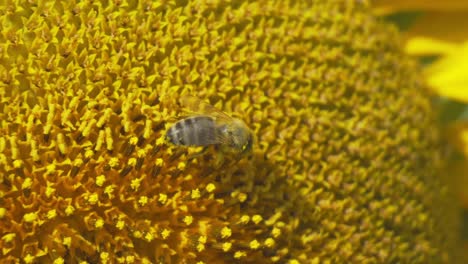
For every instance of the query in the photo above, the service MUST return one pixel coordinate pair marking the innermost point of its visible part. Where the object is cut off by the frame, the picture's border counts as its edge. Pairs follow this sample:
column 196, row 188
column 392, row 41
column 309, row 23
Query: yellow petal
column 423, row 46
column 449, row 75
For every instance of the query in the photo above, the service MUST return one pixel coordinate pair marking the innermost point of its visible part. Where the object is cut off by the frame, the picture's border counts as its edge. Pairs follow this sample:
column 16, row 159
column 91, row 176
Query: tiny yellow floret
column 93, row 198
column 200, row 247
column 120, row 224
column 17, row 164
column 49, row 191
column 244, row 219
column 2, row 212
column 159, row 162
column 9, row 237
column 135, row 184
column 69, row 210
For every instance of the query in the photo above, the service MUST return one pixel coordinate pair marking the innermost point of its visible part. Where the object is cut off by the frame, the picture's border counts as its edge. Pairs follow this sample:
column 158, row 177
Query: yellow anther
column 162, row 198
column 49, row 191
column 26, row 184
column 100, row 180
column 67, row 241
column 254, row 244
column 130, row 259
column 92, row 198
column 159, row 162
column 244, row 219
column 50, row 168
column 78, row 162
column 29, row 259
column 51, row 214
column 120, row 224
column 99, row 223
column 113, row 162
column 2, row 212
column 133, row 140
column 165, row 233
column 239, row 254
column 188, row 219
column 269, row 242
column 181, row 165
column 226, row 232
column 210, row 187
column 195, row 194
column 242, row 197
column 135, row 184
column 8, row 237
column 202, row 239
column 276, row 232
column 88, row 153
column 227, row 246
column 104, row 256
column 30, row 217
column 69, row 210
column 257, row 219
column 17, row 164
column 109, row 190
column 149, row 237
column 59, row 260
column 137, row 234
column 143, row 200
column 132, row 162
column 200, row 247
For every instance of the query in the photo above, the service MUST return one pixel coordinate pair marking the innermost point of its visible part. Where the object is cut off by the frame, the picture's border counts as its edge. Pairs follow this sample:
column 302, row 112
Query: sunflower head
column 344, row 168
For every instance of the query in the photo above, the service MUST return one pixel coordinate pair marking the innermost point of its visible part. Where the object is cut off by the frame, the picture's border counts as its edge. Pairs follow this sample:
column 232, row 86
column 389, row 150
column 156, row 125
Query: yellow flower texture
column 344, row 170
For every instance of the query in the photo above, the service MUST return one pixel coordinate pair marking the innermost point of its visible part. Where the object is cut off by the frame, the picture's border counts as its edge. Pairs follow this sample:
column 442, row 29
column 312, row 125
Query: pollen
column 99, row 224
column 2, row 212
column 269, row 242
column 276, row 232
column 59, row 260
column 92, row 198
column 239, row 254
column 135, row 184
column 244, row 219
column 67, row 241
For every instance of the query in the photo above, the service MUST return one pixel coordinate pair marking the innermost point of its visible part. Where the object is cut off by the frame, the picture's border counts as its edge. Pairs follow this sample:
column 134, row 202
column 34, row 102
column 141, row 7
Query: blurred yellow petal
column 449, row 75
column 421, row 46
column 392, row 6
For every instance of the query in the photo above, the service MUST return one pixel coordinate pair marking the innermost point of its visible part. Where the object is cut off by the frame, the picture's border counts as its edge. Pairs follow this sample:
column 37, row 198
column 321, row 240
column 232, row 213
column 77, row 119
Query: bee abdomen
column 193, row 131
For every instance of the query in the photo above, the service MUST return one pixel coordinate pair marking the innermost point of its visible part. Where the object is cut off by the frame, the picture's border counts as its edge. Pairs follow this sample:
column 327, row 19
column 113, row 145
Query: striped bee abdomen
column 193, row 131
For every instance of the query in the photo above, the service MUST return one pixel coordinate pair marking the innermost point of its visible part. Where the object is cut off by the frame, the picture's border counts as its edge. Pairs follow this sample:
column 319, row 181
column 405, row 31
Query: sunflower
column 345, row 169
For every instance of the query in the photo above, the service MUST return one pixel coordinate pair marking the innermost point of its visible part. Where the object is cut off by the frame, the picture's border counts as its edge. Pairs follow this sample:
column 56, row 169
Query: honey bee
column 206, row 125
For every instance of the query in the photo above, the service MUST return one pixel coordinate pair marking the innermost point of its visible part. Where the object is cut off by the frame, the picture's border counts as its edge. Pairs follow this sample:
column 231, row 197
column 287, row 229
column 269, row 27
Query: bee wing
column 196, row 106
